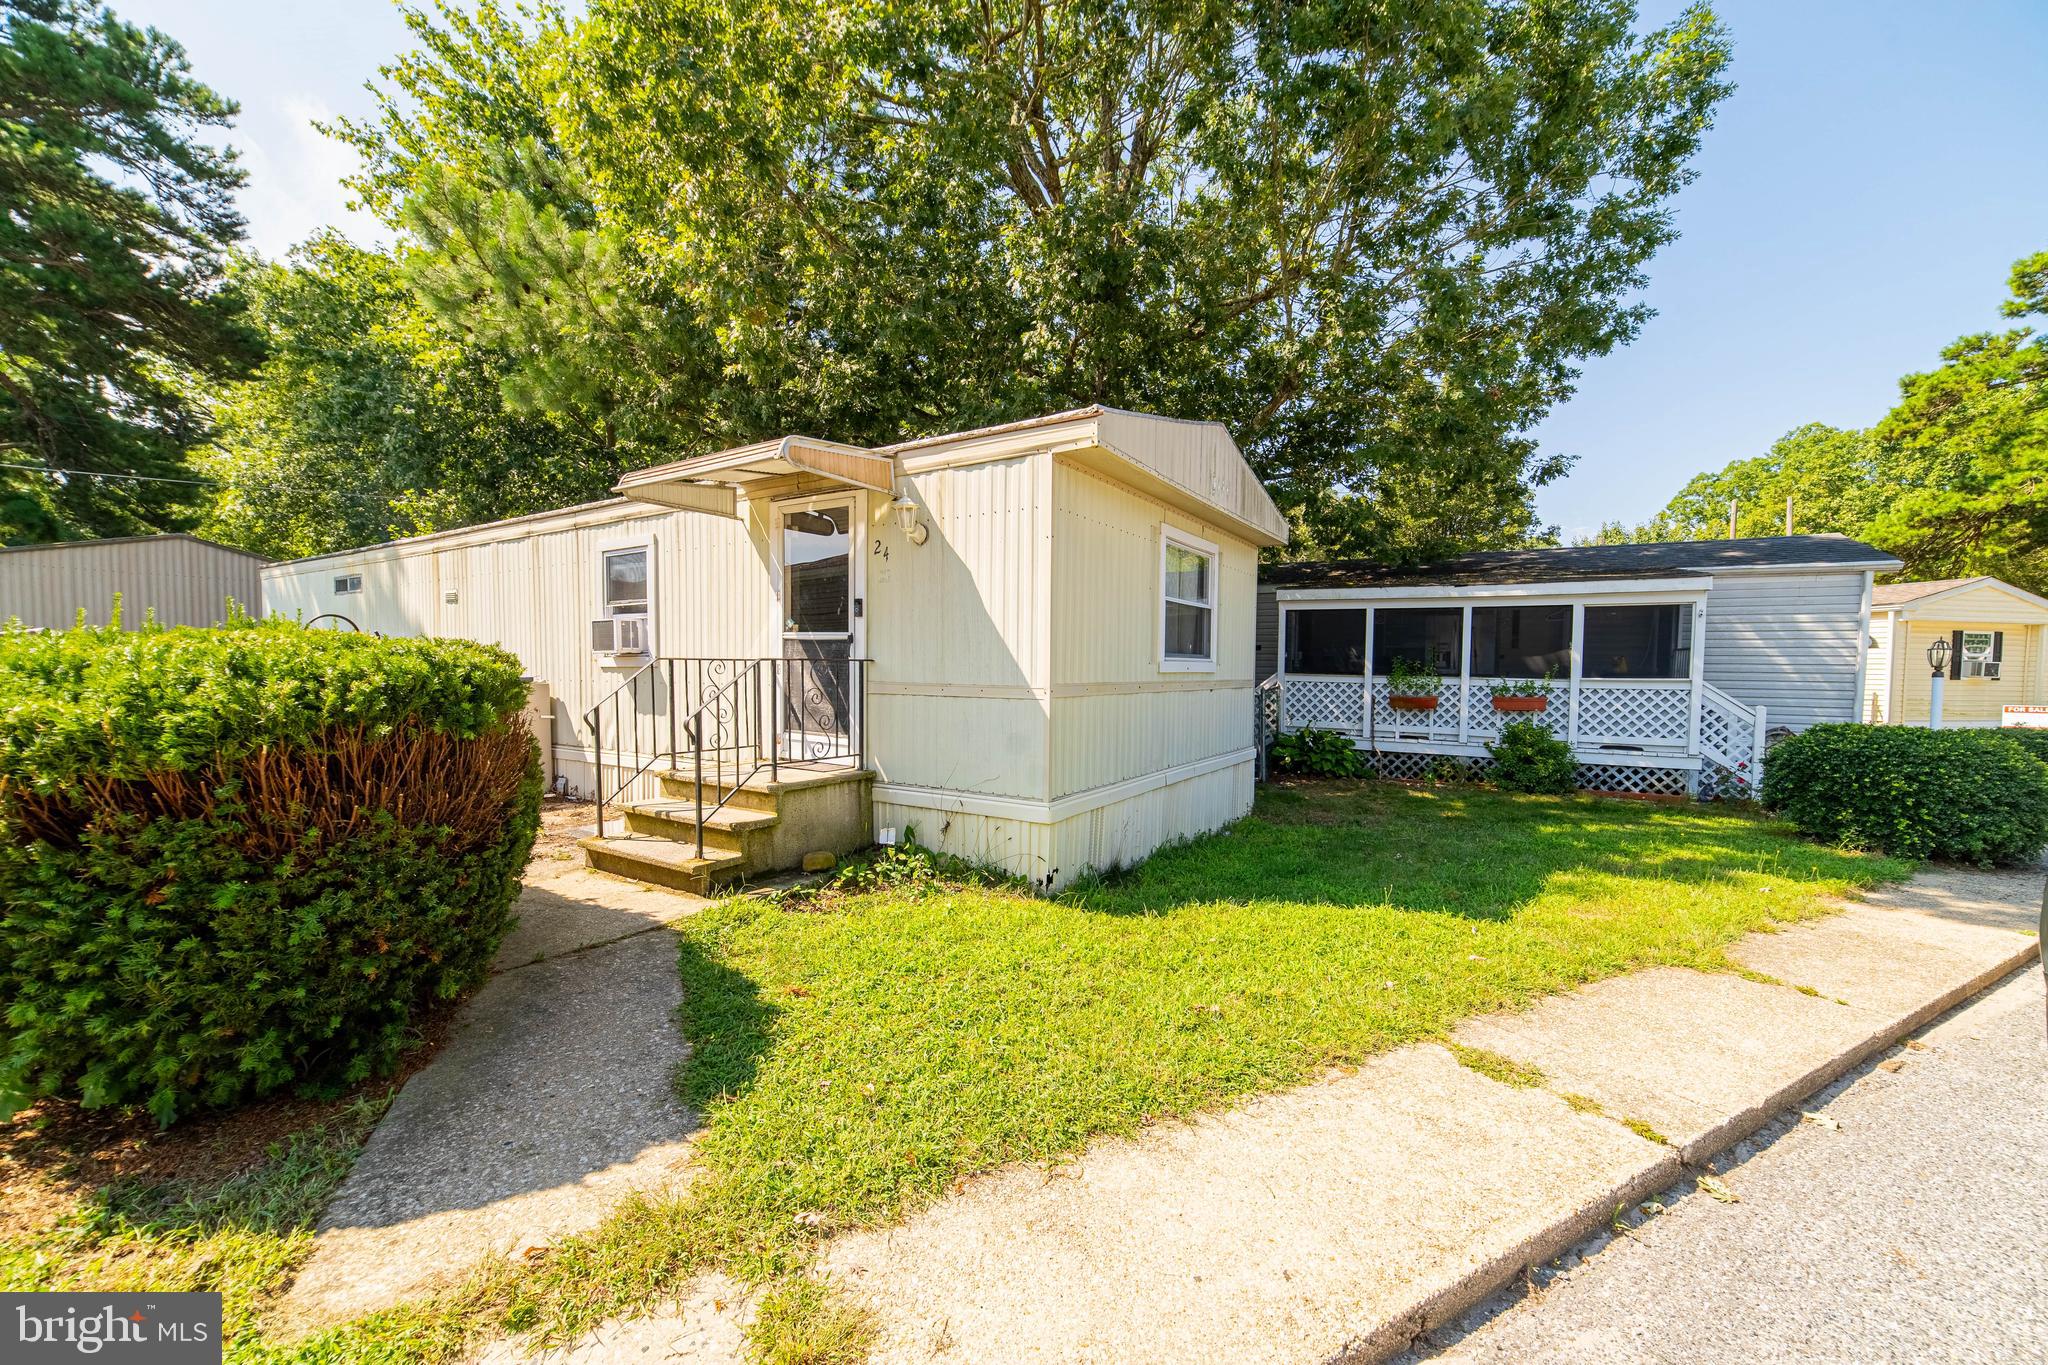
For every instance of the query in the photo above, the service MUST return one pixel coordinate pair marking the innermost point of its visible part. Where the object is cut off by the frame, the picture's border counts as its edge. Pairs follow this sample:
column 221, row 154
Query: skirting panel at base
column 1050, row 854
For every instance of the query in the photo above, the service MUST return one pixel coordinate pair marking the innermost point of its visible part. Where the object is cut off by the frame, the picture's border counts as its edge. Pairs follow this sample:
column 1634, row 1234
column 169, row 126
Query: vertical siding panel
column 1790, row 642
column 185, row 582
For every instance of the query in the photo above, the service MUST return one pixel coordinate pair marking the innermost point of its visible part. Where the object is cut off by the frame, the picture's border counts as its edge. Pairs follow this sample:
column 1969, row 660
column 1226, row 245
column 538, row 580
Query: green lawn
column 858, row 1052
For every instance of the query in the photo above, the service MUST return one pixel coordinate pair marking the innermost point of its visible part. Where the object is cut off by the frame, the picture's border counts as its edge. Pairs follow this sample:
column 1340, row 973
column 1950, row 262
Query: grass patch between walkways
column 858, row 1053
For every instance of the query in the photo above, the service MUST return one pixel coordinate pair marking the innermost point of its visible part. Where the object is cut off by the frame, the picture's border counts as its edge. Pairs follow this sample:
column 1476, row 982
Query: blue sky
column 1859, row 203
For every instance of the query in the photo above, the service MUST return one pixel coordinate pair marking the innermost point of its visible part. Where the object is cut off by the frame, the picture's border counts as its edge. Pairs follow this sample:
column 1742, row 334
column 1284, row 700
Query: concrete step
column 663, row 862
column 733, row 827
column 756, row 790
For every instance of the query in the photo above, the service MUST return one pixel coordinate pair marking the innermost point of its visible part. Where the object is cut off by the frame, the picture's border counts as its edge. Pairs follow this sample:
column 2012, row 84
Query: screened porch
column 1612, row 668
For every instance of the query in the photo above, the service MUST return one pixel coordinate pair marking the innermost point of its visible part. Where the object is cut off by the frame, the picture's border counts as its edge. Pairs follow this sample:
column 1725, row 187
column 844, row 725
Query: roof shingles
column 1669, row 559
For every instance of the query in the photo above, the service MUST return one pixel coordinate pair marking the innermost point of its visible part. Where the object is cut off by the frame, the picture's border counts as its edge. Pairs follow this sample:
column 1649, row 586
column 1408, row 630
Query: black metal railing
column 726, row 719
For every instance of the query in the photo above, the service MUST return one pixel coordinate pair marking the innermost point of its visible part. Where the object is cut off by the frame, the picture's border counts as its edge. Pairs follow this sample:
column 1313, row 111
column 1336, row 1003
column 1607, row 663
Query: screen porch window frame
column 1169, row 540
column 606, row 606
column 1684, row 615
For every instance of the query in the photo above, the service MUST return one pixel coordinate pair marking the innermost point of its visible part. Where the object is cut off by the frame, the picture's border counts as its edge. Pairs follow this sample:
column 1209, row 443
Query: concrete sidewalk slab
column 1326, row 1220
column 1910, row 949
column 706, row 1325
column 552, row 1100
column 1729, row 1052
column 565, row 907
column 1694, row 1055
column 1337, row 1220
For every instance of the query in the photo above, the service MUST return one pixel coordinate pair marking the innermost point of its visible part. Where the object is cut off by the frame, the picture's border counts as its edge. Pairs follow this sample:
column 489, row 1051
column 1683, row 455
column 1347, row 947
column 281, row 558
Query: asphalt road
column 1910, row 1224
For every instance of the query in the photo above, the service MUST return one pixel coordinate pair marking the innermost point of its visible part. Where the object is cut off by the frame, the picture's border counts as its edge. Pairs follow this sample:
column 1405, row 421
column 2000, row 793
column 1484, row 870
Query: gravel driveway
column 1909, row 1224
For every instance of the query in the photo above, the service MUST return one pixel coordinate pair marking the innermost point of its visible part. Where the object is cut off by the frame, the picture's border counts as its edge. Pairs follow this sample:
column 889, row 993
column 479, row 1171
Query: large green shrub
column 1528, row 758
column 2034, row 742
column 1970, row 796
column 238, row 859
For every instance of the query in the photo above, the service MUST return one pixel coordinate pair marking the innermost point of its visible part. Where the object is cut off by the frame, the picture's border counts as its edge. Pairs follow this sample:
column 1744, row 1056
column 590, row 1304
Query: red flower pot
column 1413, row 703
column 1521, row 703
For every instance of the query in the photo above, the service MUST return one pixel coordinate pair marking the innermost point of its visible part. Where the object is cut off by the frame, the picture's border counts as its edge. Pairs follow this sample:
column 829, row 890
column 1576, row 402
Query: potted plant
column 1523, row 694
column 1412, row 688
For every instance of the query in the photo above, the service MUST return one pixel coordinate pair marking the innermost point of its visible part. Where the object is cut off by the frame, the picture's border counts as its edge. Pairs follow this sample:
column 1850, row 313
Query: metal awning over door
column 711, row 483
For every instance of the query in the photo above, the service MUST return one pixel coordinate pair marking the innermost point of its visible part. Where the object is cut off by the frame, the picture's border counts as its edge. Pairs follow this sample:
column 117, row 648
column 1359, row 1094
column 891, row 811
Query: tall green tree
column 368, row 421
column 115, row 217
column 1374, row 237
column 1975, row 433
column 1836, row 480
column 1954, row 480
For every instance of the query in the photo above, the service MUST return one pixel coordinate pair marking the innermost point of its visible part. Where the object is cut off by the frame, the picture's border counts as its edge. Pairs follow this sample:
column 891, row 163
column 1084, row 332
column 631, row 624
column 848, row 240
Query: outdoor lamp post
column 1937, row 659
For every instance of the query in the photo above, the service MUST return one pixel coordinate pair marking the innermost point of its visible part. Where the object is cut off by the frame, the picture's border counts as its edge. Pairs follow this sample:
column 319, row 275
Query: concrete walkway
column 1341, row 1219
column 1905, row 1223
column 552, row 1100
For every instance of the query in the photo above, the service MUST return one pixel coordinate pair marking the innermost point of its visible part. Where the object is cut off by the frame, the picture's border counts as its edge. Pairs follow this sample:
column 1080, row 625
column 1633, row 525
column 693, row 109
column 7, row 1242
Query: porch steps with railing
column 753, row 823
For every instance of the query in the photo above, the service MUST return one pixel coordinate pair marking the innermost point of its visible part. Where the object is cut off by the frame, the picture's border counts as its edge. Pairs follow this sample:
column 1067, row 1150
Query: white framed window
column 347, row 583
column 625, row 599
column 1980, row 654
column 1187, row 602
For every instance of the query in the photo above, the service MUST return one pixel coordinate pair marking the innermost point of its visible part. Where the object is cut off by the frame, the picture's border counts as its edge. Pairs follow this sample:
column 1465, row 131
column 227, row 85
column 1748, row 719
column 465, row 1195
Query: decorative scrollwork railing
column 725, row 719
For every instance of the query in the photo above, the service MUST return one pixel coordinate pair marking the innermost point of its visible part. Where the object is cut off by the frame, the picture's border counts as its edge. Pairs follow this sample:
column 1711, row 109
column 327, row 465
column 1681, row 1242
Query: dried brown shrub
column 287, row 795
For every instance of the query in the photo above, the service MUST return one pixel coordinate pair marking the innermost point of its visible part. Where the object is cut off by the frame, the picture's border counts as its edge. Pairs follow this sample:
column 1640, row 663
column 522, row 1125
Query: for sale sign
column 2024, row 717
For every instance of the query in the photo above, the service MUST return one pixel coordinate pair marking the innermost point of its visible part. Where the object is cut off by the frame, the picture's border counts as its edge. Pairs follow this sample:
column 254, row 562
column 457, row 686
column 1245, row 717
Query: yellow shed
column 1996, row 634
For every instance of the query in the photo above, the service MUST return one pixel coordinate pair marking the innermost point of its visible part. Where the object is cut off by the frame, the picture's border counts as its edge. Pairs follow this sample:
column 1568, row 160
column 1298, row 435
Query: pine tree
column 112, row 254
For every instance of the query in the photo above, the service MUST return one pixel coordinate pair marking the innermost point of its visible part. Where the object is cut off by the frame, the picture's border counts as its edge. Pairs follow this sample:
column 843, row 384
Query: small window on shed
column 347, row 583
column 1187, row 602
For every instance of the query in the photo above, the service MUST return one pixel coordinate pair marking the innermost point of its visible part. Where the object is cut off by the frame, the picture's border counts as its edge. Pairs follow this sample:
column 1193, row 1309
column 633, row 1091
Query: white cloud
column 295, row 175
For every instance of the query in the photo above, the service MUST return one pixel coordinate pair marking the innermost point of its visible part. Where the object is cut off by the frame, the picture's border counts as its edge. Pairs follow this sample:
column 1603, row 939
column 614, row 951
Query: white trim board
column 1689, row 587
column 1067, row 807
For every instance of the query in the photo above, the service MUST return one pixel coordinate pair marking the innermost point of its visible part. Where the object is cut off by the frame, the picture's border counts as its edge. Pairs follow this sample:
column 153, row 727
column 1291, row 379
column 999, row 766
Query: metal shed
column 180, row 579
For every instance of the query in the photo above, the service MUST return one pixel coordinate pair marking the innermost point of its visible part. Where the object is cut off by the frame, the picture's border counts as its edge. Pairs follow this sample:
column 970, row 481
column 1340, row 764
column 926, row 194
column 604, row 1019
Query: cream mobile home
column 1031, row 644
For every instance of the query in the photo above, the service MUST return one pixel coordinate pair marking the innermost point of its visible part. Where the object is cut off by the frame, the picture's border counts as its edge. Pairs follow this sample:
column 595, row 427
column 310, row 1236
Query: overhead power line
column 104, row 474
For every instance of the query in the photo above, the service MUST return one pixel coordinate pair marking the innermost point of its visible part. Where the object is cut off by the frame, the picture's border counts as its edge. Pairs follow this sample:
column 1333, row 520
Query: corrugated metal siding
column 966, row 608
column 1115, row 714
column 185, row 582
column 1021, row 847
column 1125, row 832
column 1200, row 457
column 534, row 592
column 1790, row 642
column 960, row 632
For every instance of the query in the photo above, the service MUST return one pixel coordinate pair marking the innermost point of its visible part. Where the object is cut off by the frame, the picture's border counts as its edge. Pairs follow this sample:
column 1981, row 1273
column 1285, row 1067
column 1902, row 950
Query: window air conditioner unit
column 618, row 635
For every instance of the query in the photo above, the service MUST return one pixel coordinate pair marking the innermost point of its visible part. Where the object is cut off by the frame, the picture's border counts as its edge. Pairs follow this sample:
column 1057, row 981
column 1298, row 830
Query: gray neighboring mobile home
column 184, row 580
column 1667, row 663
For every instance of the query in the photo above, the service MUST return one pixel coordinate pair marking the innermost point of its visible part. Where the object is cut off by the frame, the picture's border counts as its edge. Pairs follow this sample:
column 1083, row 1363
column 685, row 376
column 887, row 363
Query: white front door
column 817, row 542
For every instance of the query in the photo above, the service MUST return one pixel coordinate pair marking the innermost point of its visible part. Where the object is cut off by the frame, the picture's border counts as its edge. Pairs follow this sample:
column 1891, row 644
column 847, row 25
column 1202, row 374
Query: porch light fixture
column 1937, row 656
column 905, row 508
column 1937, row 659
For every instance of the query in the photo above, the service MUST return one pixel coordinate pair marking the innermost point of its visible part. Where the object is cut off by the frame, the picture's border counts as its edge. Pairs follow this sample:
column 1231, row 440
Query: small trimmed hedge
column 1528, row 758
column 1971, row 796
column 1319, row 753
column 246, row 858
